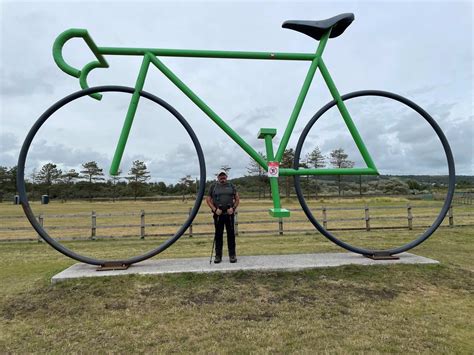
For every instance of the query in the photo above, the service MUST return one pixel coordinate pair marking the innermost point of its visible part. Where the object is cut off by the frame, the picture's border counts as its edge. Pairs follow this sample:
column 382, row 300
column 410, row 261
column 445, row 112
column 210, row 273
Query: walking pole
column 212, row 250
column 213, row 242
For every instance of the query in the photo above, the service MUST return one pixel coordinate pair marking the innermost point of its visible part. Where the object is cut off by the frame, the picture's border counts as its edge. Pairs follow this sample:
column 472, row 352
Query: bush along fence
column 247, row 222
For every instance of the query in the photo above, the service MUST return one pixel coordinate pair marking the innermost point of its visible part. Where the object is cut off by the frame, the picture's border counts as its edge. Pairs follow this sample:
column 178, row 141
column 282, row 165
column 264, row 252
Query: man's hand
column 218, row 211
column 230, row 211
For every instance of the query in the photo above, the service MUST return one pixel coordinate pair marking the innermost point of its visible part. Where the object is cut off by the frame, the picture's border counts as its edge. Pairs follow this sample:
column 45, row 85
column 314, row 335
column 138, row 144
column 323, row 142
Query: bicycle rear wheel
column 405, row 142
column 54, row 113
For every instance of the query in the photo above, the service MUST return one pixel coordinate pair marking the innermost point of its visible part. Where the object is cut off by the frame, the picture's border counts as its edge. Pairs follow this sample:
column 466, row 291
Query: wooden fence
column 464, row 198
column 273, row 226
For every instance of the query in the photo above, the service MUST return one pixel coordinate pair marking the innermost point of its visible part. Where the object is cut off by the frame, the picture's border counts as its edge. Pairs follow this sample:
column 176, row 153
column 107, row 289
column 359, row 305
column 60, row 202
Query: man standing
column 223, row 200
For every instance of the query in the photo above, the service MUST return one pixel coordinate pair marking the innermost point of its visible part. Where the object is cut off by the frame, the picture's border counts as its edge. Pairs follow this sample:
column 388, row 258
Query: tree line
column 90, row 181
column 313, row 160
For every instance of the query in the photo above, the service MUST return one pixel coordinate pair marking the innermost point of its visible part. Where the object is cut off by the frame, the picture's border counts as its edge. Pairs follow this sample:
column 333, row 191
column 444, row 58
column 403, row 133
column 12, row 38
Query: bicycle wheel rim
column 58, row 246
column 451, row 175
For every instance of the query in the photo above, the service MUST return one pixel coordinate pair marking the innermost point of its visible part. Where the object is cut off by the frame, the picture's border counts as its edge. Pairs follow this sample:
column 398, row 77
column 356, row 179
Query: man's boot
column 217, row 259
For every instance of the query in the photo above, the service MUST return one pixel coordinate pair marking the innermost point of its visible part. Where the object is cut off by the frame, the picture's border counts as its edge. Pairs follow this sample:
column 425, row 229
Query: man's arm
column 236, row 204
column 210, row 203
column 237, row 200
column 214, row 208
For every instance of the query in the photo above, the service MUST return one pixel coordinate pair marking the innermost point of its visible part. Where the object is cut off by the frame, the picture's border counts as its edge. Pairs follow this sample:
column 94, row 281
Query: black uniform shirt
column 223, row 195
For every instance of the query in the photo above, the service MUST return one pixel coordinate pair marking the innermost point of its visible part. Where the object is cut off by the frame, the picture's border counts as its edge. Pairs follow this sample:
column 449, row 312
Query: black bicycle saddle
column 316, row 29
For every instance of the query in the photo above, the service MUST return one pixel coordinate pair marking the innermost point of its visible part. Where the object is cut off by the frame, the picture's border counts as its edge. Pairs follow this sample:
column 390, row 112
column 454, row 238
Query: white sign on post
column 273, row 168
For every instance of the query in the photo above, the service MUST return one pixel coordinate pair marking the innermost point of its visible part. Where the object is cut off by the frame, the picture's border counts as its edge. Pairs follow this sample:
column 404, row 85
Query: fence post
column 325, row 218
column 41, row 223
column 367, row 218
column 410, row 217
column 142, row 224
column 451, row 216
column 236, row 223
column 191, row 226
column 93, row 225
column 280, row 226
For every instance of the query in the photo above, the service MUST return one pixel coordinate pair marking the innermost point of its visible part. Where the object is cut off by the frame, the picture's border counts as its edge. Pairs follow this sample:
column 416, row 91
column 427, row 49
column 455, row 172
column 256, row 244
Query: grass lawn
column 398, row 308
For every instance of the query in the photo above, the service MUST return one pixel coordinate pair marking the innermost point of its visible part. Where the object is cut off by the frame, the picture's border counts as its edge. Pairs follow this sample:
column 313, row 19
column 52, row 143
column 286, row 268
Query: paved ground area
column 262, row 262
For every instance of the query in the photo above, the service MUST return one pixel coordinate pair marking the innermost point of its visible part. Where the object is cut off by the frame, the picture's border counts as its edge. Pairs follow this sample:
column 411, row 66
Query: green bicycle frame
column 151, row 56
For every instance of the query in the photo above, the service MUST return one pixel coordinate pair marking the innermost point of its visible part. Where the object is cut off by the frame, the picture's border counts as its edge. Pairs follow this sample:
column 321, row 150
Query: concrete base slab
column 292, row 262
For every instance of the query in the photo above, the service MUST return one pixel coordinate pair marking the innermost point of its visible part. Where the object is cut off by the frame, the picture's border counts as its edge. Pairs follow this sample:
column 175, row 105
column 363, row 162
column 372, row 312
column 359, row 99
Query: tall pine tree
column 48, row 175
column 339, row 160
column 287, row 162
column 315, row 160
column 92, row 173
column 137, row 176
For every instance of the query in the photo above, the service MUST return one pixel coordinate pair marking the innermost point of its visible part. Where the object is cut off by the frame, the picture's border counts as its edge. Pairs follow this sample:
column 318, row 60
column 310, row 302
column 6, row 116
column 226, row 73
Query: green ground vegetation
column 398, row 308
column 122, row 220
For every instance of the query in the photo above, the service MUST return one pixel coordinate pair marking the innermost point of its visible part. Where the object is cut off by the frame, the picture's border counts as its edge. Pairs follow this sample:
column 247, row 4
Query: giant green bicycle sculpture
column 319, row 30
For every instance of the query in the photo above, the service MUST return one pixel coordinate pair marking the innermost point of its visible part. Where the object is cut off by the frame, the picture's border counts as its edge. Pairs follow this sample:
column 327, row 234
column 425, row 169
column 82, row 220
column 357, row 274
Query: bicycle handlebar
column 81, row 74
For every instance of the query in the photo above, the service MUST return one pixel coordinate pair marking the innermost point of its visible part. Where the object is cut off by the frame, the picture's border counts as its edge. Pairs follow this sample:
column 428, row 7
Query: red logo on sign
column 273, row 168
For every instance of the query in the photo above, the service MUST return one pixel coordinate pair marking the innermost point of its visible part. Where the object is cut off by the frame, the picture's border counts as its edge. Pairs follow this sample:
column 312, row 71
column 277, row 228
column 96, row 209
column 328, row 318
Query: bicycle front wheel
column 66, row 155
column 406, row 203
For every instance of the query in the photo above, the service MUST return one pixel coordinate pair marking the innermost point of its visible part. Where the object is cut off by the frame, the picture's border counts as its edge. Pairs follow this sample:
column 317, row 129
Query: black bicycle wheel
column 24, row 197
column 415, row 115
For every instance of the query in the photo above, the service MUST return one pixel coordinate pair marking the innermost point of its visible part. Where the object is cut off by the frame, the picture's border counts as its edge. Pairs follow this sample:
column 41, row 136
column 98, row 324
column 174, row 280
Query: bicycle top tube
column 99, row 53
column 199, row 53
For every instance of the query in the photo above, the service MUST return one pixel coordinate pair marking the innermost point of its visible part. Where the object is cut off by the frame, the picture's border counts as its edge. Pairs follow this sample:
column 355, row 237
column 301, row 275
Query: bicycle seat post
column 267, row 134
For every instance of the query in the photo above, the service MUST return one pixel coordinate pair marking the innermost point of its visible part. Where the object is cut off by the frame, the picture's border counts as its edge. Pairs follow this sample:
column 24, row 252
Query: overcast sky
column 420, row 49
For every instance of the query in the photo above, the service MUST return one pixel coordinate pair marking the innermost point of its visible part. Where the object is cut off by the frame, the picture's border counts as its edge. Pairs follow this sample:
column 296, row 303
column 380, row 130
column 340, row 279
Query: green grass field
column 399, row 308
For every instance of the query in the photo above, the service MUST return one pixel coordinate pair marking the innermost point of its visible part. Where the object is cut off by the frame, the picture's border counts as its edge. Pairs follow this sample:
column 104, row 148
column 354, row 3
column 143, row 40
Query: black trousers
column 219, row 223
